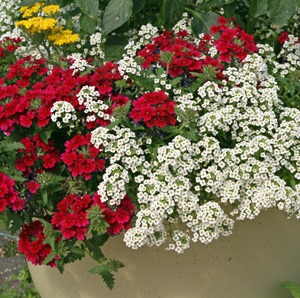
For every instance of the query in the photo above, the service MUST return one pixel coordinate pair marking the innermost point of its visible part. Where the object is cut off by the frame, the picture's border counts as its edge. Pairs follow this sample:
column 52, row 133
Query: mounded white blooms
column 63, row 112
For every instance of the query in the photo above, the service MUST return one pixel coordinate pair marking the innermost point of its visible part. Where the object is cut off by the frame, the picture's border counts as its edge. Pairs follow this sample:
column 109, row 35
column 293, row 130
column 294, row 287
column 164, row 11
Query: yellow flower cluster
column 37, row 24
column 63, row 37
column 51, row 9
column 46, row 25
column 30, row 10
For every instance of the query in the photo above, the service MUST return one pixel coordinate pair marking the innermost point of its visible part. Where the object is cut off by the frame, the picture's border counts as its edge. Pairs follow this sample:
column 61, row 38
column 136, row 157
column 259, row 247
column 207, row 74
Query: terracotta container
column 252, row 263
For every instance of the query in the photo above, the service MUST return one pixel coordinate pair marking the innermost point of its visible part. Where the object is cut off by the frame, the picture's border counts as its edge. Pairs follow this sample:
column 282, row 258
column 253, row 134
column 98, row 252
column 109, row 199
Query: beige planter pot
column 252, row 263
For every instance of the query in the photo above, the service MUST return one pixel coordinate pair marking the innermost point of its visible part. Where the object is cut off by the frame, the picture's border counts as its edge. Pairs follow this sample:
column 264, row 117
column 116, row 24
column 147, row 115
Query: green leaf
column 138, row 5
column 89, row 7
column 116, row 13
column 202, row 22
column 262, row 7
column 280, row 11
column 87, row 24
column 219, row 3
column 114, row 48
column 113, row 124
column 13, row 146
column 294, row 288
column 94, row 249
column 173, row 11
column 107, row 276
column 50, row 257
column 27, row 2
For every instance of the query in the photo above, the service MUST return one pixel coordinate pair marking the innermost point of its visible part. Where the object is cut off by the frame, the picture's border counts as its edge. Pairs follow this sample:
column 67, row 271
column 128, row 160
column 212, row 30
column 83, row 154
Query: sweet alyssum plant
column 155, row 145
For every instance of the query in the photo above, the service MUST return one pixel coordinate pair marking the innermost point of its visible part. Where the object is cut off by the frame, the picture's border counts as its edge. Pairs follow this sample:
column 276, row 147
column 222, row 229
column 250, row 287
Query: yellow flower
column 51, row 9
column 37, row 24
column 63, row 37
column 30, row 10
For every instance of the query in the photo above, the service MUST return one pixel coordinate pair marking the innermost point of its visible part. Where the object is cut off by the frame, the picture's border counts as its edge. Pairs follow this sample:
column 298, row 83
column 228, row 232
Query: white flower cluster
column 65, row 111
column 79, row 63
column 121, row 146
column 89, row 97
column 112, row 187
column 166, row 190
column 127, row 64
column 290, row 52
column 96, row 41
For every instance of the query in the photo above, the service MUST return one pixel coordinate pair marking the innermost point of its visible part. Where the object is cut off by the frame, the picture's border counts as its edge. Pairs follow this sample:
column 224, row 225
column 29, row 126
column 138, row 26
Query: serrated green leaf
column 144, row 83
column 202, row 22
column 107, row 276
column 50, row 257
column 11, row 147
column 173, row 11
column 94, row 249
column 116, row 13
column 113, row 124
column 280, row 11
column 89, row 7
column 87, row 24
column 114, row 48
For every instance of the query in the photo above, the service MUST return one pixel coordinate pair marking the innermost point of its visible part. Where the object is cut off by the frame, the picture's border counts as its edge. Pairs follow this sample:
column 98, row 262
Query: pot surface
column 251, row 263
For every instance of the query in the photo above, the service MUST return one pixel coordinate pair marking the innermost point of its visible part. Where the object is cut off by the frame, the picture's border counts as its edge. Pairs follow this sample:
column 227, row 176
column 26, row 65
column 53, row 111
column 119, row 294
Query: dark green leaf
column 116, row 13
column 280, row 11
column 138, row 5
column 202, row 22
column 87, row 24
column 107, row 276
column 262, row 7
column 94, row 249
column 294, row 288
column 219, row 3
column 100, row 239
column 27, row 2
column 17, row 222
column 173, row 11
column 114, row 48
column 89, row 7
column 229, row 10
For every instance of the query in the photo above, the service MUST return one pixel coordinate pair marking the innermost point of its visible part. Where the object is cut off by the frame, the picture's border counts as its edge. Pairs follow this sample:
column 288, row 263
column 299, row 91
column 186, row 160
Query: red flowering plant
column 152, row 146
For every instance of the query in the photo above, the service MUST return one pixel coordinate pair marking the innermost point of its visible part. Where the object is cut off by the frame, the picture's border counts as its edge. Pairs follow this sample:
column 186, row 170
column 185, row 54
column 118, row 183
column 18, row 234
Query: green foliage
column 10, row 249
column 294, row 288
column 173, row 11
column 114, row 47
column 116, row 13
column 26, row 288
column 105, row 269
column 202, row 22
column 89, row 8
column 97, row 222
column 280, row 11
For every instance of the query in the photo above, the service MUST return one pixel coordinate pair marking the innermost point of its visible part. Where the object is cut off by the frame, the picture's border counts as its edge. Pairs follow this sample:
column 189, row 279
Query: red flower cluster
column 46, row 158
column 71, row 219
column 81, row 157
column 155, row 109
column 283, row 37
column 31, row 244
column 232, row 41
column 8, row 196
column 8, row 45
column 17, row 107
column 118, row 219
column 186, row 56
